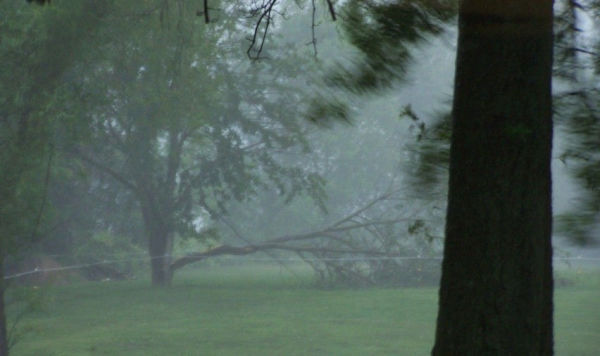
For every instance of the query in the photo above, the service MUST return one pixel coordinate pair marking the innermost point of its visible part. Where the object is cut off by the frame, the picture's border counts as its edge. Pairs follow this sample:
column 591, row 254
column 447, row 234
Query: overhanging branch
column 264, row 13
column 331, row 10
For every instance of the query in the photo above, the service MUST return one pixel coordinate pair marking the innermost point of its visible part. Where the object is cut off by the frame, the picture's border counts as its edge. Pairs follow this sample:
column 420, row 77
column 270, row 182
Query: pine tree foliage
column 383, row 33
column 576, row 68
column 577, row 109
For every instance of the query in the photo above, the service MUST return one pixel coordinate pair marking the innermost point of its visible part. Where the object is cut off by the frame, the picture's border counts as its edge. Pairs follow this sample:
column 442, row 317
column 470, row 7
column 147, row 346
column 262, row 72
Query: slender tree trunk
column 3, row 332
column 496, row 288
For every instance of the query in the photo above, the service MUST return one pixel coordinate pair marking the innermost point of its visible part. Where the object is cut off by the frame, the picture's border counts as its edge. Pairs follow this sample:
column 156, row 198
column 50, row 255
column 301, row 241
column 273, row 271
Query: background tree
column 119, row 63
column 94, row 220
column 35, row 47
column 333, row 255
column 496, row 289
column 185, row 126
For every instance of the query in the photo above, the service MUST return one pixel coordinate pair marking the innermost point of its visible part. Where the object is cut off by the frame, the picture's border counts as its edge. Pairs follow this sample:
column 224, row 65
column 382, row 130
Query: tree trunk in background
column 160, row 244
column 3, row 333
column 496, row 288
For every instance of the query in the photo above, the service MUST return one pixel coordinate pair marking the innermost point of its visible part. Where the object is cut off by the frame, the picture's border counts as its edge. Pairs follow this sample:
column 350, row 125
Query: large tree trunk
column 160, row 247
column 160, row 244
column 496, row 288
column 3, row 332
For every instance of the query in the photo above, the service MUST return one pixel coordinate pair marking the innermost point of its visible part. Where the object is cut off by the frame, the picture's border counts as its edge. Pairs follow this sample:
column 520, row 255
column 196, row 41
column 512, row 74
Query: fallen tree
column 374, row 244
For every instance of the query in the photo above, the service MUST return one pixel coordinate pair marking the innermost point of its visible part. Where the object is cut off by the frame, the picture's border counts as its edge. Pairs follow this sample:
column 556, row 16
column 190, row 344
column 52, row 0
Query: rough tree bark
column 496, row 288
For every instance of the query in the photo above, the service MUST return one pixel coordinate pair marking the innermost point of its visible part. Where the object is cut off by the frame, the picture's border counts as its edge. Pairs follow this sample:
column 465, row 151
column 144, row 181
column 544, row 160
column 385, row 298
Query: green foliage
column 84, row 204
column 114, row 256
column 21, row 303
column 577, row 111
column 384, row 33
column 189, row 115
column 429, row 164
column 336, row 110
column 36, row 47
column 168, row 123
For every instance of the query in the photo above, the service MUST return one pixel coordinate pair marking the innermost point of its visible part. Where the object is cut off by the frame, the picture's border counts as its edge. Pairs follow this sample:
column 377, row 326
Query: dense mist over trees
column 138, row 138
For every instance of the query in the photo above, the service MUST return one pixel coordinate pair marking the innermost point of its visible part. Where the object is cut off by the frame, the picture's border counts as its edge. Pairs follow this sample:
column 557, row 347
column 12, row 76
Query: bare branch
column 339, row 232
column 206, row 16
column 264, row 11
column 312, row 27
column 106, row 169
column 246, row 250
column 331, row 10
column 363, row 209
column 242, row 238
column 204, row 12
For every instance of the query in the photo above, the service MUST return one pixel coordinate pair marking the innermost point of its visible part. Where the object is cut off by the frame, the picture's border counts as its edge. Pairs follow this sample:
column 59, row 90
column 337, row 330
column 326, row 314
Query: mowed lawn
column 266, row 311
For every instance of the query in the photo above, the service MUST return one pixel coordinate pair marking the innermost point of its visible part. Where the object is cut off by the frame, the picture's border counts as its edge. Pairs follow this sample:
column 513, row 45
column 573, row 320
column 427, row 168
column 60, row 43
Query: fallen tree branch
column 241, row 237
column 334, row 233
column 224, row 250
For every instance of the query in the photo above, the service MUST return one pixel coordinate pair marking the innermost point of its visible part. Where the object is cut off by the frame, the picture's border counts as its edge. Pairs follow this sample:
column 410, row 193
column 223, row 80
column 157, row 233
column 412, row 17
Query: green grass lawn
column 265, row 311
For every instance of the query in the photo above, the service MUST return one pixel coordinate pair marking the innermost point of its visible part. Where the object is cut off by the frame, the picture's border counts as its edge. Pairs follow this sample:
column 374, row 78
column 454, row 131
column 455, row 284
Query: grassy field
column 265, row 311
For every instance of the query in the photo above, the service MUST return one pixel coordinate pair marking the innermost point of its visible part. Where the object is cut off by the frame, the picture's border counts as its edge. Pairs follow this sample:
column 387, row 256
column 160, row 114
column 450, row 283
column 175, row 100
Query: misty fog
column 256, row 178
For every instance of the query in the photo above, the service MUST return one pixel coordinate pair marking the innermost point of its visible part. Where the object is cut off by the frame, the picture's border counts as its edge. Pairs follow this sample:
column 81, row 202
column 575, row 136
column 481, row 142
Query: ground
column 267, row 311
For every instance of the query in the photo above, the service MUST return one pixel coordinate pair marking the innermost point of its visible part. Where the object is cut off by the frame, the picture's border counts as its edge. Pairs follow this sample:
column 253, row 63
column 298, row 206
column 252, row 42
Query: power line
column 288, row 259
